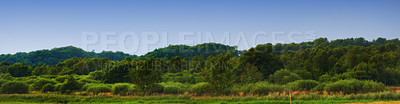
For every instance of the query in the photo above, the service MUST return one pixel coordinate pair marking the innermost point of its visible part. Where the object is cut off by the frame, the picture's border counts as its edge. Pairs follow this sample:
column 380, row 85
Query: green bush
column 200, row 88
column 354, row 86
column 70, row 85
column 302, row 85
column 84, row 81
column 283, row 76
column 3, row 81
column 96, row 75
column 173, row 87
column 157, row 88
column 14, row 87
column 120, row 88
column 263, row 88
column 48, row 88
column 87, row 85
column 98, row 89
column 38, row 85
column 320, row 87
column 61, row 79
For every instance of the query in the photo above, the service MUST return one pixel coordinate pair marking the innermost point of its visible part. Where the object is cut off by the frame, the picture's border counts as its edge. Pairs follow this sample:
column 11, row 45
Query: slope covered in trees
column 184, row 51
column 53, row 56
column 348, row 65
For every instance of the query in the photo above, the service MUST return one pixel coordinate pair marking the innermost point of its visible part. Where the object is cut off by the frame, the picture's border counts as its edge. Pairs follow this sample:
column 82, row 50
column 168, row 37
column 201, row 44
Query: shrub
column 3, row 81
column 38, row 85
column 354, row 86
column 98, row 89
column 283, row 77
column 200, row 88
column 120, row 88
column 156, row 88
column 48, row 88
column 87, row 85
column 15, row 88
column 96, row 75
column 302, row 85
column 70, row 85
column 320, row 87
column 173, row 87
column 264, row 88
column 61, row 79
column 84, row 81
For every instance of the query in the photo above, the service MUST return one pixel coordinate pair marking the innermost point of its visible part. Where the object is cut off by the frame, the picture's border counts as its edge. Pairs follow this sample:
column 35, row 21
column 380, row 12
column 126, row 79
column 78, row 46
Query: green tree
column 147, row 74
column 219, row 74
column 283, row 76
column 19, row 70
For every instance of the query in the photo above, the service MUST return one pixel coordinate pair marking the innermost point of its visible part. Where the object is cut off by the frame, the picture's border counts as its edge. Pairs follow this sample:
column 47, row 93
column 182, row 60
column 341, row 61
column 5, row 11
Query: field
column 370, row 98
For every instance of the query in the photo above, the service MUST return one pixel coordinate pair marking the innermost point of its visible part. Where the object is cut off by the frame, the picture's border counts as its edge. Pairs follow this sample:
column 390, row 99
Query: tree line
column 319, row 61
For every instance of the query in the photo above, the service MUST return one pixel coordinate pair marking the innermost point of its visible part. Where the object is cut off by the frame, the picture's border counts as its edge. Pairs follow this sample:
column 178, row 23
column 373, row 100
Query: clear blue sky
column 27, row 25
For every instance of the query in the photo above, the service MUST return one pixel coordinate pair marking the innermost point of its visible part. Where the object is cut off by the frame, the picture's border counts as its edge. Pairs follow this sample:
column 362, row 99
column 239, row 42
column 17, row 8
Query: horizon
column 37, row 25
column 188, row 45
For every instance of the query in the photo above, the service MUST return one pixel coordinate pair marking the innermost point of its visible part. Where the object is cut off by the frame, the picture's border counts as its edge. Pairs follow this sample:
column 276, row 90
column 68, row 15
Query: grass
column 269, row 99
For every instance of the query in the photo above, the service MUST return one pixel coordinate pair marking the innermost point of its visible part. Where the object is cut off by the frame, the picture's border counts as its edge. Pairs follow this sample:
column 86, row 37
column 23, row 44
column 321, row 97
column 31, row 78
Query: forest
column 345, row 66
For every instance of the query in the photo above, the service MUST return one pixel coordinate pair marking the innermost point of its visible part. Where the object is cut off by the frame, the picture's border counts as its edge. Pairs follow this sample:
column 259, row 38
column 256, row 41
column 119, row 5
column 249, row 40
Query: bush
column 157, row 88
column 263, row 88
column 173, row 87
column 87, row 85
column 38, row 85
column 96, row 75
column 98, row 89
column 354, row 86
column 61, row 79
column 302, row 85
column 3, row 81
column 283, row 77
column 70, row 85
column 320, row 87
column 14, row 88
column 120, row 88
column 200, row 88
column 84, row 81
column 48, row 88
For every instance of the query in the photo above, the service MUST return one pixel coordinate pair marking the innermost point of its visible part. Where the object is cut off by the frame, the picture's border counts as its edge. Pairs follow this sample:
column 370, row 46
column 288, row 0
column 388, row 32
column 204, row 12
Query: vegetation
column 347, row 66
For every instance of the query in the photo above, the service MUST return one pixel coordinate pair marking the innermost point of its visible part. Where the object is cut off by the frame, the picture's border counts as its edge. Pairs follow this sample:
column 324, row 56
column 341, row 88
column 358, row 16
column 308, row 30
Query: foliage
column 302, row 85
column 100, row 88
column 120, row 88
column 48, row 88
column 14, row 87
column 147, row 74
column 219, row 74
column 200, row 88
column 38, row 85
column 354, row 86
column 70, row 85
column 173, row 87
column 283, row 77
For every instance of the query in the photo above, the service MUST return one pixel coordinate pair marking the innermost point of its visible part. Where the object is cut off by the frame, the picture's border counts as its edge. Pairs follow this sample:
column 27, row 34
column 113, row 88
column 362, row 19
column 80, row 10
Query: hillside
column 55, row 55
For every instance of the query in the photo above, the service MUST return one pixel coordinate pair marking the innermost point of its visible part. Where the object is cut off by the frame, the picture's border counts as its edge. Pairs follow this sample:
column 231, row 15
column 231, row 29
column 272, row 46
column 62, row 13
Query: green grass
column 270, row 99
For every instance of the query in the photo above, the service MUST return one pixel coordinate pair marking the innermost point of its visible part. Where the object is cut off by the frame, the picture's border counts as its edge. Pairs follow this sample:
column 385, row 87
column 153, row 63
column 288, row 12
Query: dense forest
column 338, row 65
column 53, row 56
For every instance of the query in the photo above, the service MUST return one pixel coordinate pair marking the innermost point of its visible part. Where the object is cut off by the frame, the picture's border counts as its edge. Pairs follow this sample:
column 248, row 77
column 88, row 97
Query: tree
column 250, row 74
column 283, row 76
column 219, row 74
column 70, row 85
column 40, row 70
column 261, row 56
column 14, row 87
column 119, row 73
column 147, row 74
column 19, row 70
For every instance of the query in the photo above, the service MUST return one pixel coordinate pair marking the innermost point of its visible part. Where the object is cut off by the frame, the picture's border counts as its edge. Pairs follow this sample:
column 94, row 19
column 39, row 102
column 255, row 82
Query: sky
column 137, row 27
